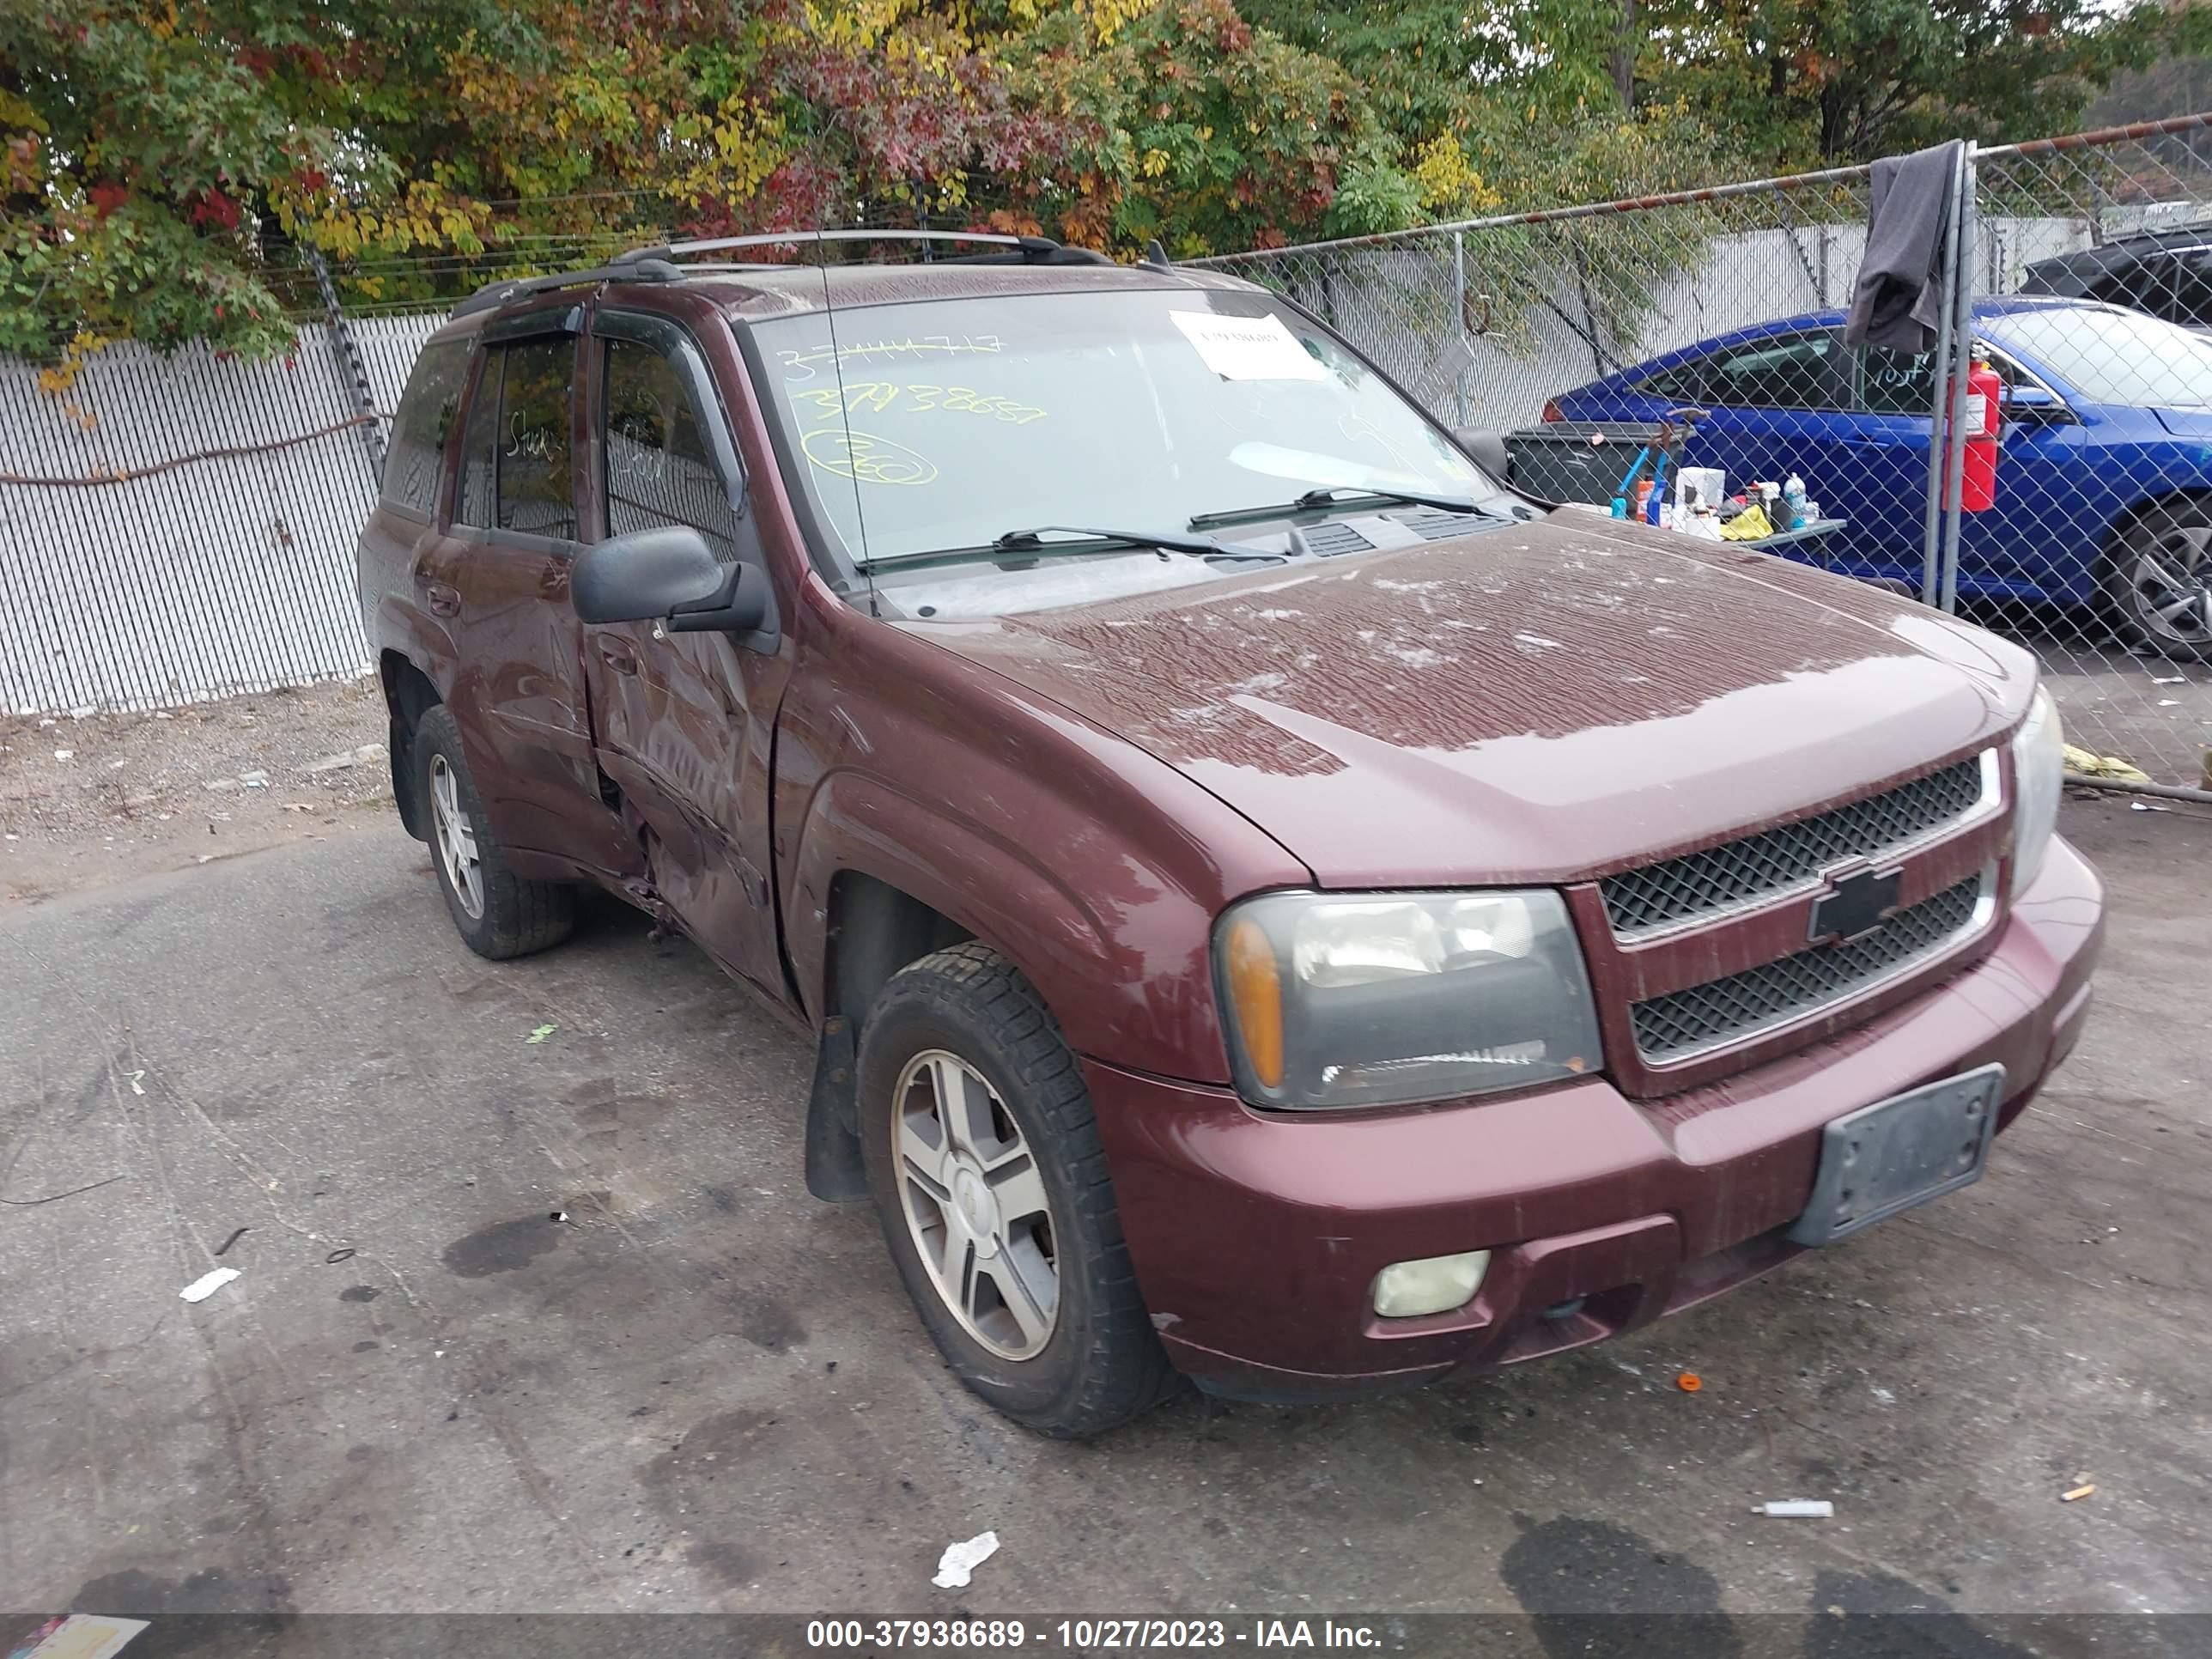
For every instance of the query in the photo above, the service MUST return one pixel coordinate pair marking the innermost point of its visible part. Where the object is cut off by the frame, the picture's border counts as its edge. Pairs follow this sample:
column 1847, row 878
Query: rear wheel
column 984, row 1162
column 499, row 914
column 2158, row 579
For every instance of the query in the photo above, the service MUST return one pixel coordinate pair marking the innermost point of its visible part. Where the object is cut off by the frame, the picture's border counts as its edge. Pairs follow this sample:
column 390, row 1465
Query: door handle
column 618, row 656
column 443, row 600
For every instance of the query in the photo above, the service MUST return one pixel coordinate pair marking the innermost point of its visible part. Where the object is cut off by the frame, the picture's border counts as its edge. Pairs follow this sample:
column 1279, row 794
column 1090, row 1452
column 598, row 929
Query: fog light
column 1435, row 1283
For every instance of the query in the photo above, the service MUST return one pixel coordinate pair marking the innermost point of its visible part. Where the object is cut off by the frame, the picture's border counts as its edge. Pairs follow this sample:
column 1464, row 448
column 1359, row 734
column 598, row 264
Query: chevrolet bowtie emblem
column 1855, row 905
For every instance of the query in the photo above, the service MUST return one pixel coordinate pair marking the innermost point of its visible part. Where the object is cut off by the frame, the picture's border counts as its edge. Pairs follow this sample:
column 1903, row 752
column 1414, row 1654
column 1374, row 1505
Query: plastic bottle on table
column 1793, row 500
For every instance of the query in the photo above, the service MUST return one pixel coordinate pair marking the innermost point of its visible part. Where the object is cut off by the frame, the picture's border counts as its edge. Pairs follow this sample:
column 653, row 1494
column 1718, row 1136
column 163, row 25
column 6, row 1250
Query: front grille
column 1758, row 866
column 1726, row 1010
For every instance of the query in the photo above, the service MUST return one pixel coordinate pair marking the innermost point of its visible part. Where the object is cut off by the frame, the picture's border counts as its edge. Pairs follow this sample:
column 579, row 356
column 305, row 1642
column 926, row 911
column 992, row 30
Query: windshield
column 944, row 424
column 2115, row 356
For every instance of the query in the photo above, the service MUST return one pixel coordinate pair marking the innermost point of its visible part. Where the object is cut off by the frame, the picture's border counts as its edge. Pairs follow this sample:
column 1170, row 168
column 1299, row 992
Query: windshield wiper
column 1031, row 544
column 1315, row 500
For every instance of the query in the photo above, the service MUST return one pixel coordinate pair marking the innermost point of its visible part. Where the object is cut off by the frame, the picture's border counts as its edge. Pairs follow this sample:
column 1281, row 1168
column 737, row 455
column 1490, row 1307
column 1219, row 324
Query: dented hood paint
column 1538, row 702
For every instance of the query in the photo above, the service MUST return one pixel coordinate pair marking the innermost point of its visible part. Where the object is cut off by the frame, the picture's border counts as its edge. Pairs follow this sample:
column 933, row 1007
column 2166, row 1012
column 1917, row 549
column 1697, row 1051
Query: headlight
column 2039, row 768
column 1379, row 999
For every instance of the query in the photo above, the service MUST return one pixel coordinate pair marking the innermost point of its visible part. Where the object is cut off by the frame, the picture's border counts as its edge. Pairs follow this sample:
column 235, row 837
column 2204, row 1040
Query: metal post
column 1962, row 330
column 353, row 368
column 1459, row 318
column 1931, row 520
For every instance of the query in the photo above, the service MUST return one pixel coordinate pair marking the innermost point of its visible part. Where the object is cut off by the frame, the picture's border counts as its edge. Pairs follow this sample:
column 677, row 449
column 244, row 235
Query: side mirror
column 669, row 575
column 1487, row 450
column 2035, row 405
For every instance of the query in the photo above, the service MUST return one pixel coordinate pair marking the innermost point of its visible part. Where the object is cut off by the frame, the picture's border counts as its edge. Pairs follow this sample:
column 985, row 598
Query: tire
column 499, row 914
column 2158, row 578
column 964, row 1020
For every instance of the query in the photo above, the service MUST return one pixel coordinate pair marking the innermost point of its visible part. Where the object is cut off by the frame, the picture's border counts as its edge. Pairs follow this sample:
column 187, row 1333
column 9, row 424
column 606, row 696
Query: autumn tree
column 164, row 159
column 1819, row 82
column 148, row 147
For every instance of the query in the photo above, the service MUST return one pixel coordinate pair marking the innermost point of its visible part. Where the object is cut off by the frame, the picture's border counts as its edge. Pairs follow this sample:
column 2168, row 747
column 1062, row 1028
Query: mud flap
column 835, row 1173
column 401, row 750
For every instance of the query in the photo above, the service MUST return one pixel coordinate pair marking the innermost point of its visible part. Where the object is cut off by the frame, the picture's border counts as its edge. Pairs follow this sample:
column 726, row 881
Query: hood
column 1538, row 702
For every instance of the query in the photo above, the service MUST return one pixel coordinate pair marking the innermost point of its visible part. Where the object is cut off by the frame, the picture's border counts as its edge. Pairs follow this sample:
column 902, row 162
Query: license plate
column 1901, row 1151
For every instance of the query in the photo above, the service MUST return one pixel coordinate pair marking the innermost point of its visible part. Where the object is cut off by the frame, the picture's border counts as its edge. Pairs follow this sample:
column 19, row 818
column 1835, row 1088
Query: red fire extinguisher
column 1977, row 480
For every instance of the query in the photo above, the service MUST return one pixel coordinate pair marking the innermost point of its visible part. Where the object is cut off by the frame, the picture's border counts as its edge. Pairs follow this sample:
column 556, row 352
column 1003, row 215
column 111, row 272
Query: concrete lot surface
column 703, row 1391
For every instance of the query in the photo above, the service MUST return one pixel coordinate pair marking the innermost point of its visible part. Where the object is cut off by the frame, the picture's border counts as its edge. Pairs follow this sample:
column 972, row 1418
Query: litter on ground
column 208, row 1283
column 1796, row 1508
column 2085, row 764
column 959, row 1562
column 2079, row 1491
column 541, row 1034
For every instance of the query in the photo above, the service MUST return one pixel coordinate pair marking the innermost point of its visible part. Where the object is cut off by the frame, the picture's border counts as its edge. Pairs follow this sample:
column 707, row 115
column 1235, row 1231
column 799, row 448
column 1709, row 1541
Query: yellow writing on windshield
column 864, row 457
column 824, row 403
column 800, row 365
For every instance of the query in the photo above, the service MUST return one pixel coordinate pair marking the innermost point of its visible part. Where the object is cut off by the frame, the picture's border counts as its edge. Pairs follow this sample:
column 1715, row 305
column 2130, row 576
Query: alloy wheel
column 2170, row 585
column 975, row 1204
column 456, row 837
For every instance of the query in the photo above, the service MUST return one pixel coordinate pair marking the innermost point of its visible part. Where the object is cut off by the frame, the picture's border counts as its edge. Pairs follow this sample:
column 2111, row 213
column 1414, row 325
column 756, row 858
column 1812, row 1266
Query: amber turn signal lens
column 1255, row 985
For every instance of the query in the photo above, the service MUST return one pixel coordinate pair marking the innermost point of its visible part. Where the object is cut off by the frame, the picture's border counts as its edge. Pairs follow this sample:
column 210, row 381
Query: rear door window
column 536, row 483
column 424, row 418
column 1789, row 371
column 1684, row 383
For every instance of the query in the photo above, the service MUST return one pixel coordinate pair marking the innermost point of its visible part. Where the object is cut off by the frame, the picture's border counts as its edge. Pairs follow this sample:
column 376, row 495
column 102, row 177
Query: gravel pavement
column 96, row 798
column 703, row 1391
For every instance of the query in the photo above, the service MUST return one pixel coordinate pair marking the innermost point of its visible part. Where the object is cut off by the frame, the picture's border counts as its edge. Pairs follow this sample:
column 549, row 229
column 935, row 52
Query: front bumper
column 1256, row 1237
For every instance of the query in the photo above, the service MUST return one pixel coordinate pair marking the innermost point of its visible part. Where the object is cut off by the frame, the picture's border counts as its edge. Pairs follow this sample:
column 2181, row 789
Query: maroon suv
column 1273, row 903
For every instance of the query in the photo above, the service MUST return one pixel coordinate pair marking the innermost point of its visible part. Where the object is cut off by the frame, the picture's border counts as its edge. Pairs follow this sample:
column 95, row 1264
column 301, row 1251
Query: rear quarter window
column 420, row 425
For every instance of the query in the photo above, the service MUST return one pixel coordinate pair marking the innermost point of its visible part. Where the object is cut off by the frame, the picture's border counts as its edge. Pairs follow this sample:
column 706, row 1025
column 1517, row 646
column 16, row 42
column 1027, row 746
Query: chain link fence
column 181, row 527
column 2091, row 267
column 1575, row 334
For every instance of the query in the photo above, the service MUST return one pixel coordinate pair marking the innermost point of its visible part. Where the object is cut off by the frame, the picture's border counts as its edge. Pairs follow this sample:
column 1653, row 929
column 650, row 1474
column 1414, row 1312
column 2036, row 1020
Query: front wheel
column 2158, row 579
column 984, row 1162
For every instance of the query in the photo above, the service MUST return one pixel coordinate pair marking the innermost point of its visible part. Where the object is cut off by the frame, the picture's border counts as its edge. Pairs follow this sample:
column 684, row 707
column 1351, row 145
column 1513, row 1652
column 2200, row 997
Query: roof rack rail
column 628, row 268
column 1035, row 250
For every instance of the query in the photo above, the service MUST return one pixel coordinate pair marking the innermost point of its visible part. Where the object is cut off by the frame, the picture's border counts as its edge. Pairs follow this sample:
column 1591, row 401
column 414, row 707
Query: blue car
column 2104, row 482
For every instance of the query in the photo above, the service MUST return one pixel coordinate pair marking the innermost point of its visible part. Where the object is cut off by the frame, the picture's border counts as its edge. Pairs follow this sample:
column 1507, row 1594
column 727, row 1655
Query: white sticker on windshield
column 1248, row 347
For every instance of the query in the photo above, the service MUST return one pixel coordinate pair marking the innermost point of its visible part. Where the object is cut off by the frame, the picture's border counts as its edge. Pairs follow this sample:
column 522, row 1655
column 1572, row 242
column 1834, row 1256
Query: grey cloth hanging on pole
column 1898, row 298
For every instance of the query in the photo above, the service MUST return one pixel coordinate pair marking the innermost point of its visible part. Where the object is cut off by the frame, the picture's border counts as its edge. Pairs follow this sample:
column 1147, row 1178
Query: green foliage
column 1373, row 198
column 1210, row 134
column 1431, row 65
column 1819, row 82
column 158, row 157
